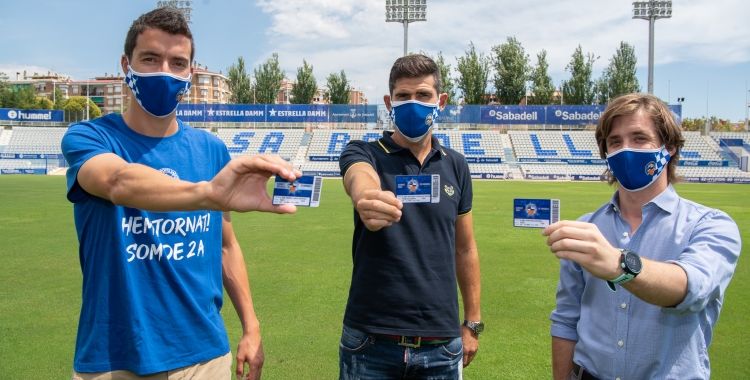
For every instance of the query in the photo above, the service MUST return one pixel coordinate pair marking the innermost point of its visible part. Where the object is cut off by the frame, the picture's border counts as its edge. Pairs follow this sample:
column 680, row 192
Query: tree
column 511, row 71
column 268, row 78
column 445, row 76
column 338, row 88
column 44, row 104
column 78, row 104
column 239, row 83
column 542, row 86
column 473, row 70
column 580, row 88
column 59, row 99
column 619, row 77
column 306, row 86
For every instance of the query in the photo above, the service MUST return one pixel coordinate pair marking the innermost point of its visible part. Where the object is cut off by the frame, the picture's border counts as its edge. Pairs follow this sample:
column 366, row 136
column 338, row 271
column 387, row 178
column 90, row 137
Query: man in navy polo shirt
column 402, row 317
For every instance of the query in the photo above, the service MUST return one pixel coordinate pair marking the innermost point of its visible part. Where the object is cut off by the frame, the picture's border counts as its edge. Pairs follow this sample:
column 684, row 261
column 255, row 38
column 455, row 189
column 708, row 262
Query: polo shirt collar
column 389, row 146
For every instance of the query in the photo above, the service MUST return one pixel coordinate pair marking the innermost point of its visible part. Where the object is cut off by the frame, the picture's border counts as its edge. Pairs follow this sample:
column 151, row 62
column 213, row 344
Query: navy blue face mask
column 637, row 169
column 157, row 93
column 414, row 118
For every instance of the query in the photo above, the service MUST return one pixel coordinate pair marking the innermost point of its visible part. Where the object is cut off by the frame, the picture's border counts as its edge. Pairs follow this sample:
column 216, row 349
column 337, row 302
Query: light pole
column 651, row 10
column 183, row 6
column 405, row 11
column 747, row 105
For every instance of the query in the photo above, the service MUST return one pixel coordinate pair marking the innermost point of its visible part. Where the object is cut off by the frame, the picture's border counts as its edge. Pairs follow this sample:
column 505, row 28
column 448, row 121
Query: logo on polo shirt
column 449, row 190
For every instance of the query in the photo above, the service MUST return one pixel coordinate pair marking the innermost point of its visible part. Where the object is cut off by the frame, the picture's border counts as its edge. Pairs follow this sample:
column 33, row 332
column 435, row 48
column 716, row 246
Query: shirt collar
column 389, row 146
column 666, row 201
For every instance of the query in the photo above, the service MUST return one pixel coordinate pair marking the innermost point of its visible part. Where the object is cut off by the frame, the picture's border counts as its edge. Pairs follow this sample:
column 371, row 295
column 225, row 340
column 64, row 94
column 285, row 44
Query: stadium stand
column 696, row 148
column 36, row 140
column 745, row 136
column 554, row 144
column 711, row 172
column 328, row 144
column 317, row 152
column 243, row 142
column 480, row 144
column 326, row 168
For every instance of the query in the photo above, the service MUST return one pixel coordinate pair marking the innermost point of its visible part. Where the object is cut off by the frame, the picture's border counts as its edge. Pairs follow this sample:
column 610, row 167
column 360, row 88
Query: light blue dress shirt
column 622, row 337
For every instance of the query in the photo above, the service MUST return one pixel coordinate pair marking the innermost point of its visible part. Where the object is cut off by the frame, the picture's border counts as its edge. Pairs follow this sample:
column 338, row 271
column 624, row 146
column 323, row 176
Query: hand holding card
column 303, row 191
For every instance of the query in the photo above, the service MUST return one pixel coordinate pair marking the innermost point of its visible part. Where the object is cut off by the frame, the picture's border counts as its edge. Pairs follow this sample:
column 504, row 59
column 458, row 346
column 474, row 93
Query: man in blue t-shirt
column 151, row 203
column 402, row 318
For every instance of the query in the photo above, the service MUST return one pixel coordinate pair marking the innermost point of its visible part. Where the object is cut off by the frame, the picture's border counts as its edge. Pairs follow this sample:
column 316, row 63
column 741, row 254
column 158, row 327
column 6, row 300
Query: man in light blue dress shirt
column 642, row 279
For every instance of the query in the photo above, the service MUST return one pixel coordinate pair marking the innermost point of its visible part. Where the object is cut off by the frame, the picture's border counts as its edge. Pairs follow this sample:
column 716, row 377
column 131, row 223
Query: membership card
column 303, row 191
column 418, row 188
column 535, row 213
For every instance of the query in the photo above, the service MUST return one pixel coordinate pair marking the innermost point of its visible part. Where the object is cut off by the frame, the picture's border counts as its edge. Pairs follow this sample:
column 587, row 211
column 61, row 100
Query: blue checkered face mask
column 157, row 93
column 414, row 118
column 637, row 169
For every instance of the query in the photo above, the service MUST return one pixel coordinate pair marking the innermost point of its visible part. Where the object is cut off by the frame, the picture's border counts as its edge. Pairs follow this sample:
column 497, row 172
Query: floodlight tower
column 183, row 6
column 405, row 11
column 651, row 10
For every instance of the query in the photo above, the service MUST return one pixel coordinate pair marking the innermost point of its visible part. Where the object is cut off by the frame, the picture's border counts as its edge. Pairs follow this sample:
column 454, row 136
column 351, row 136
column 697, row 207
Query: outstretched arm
column 240, row 186
column 376, row 208
column 234, row 275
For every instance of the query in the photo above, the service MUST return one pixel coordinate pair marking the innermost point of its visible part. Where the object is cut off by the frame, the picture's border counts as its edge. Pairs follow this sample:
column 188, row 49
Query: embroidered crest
column 449, row 190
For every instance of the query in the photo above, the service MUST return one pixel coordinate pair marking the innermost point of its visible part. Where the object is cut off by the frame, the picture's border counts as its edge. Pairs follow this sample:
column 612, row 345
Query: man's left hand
column 584, row 244
column 250, row 351
column 471, row 344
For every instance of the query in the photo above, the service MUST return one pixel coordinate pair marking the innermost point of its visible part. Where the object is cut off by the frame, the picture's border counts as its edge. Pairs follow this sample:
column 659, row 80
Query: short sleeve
column 79, row 144
column 467, row 191
column 355, row 153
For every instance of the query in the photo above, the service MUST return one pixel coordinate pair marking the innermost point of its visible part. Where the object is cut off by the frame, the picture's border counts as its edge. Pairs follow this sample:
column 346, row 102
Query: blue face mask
column 157, row 93
column 414, row 118
column 636, row 169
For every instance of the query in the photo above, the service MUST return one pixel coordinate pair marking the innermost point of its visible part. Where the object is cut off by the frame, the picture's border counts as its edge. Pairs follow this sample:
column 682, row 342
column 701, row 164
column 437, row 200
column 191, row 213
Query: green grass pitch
column 300, row 267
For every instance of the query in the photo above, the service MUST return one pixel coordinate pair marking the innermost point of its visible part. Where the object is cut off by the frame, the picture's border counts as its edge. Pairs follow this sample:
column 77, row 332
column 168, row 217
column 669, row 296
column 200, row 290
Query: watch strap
column 622, row 279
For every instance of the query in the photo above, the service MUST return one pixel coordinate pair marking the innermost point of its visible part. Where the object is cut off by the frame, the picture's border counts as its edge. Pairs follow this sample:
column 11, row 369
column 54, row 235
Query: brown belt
column 582, row 373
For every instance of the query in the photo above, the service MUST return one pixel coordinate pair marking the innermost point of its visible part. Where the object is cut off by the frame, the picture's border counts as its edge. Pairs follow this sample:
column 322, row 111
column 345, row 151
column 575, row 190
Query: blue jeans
column 362, row 356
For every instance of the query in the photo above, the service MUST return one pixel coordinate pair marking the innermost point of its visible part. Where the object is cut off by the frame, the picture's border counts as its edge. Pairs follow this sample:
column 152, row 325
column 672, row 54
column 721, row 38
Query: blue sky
column 702, row 53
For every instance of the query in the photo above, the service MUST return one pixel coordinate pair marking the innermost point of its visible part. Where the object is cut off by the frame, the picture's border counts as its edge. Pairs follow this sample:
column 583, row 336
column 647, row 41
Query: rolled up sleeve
column 709, row 261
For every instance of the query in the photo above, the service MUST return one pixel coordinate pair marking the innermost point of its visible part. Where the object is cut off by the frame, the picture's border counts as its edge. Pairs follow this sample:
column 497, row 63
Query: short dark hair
column 666, row 127
column 170, row 20
column 414, row 66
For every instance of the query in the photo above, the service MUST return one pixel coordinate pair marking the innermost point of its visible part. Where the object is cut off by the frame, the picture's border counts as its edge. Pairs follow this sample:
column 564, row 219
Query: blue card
column 535, row 213
column 303, row 191
column 418, row 188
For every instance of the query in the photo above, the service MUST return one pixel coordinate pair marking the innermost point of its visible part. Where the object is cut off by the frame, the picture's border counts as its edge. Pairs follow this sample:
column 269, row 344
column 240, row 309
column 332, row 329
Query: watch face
column 479, row 327
column 633, row 262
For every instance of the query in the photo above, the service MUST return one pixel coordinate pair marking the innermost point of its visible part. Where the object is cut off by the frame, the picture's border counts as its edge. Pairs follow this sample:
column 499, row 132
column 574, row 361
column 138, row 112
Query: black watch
column 631, row 263
column 477, row 327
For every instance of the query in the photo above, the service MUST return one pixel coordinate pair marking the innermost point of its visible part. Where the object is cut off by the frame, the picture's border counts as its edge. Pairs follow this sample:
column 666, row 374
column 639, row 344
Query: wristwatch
column 477, row 327
column 631, row 264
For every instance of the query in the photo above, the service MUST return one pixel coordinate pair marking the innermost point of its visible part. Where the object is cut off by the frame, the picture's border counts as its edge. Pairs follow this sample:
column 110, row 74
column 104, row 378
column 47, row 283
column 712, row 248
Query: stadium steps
column 725, row 156
column 711, row 143
column 516, row 174
column 299, row 159
column 306, row 139
column 510, row 159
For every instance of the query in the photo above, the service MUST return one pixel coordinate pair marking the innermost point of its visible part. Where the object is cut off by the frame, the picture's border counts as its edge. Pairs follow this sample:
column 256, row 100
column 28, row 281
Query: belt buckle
column 412, row 345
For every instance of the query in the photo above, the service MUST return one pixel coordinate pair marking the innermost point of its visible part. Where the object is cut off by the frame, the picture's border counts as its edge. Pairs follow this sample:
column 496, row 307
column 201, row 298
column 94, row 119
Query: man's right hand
column 241, row 185
column 378, row 208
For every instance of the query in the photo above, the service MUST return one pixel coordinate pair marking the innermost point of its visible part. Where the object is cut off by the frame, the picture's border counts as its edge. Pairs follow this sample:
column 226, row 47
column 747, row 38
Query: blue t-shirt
column 152, row 284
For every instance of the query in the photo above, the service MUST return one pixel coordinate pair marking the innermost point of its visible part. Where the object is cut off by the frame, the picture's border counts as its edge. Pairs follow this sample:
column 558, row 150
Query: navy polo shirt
column 404, row 275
